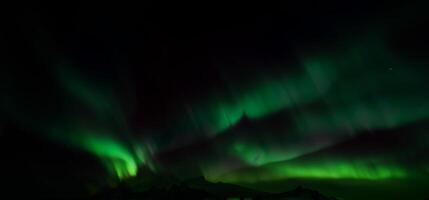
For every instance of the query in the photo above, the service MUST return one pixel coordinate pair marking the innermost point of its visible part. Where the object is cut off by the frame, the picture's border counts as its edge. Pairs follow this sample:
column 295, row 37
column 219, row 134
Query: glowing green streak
column 121, row 157
column 336, row 94
column 359, row 88
column 340, row 169
column 265, row 97
column 112, row 151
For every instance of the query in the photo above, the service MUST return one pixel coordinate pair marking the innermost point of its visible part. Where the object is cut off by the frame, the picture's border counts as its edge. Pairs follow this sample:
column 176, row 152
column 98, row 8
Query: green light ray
column 358, row 169
column 120, row 156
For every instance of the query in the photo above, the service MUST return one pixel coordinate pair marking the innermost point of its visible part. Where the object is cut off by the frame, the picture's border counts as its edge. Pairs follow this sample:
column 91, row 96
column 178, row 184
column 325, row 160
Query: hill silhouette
column 149, row 185
column 184, row 191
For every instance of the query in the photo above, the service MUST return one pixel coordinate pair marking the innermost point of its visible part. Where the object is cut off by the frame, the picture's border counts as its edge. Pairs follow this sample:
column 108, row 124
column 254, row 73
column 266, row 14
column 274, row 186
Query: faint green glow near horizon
column 343, row 170
column 332, row 169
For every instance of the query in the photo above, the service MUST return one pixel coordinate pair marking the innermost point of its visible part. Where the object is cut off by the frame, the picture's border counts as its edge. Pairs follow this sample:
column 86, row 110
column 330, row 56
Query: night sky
column 332, row 96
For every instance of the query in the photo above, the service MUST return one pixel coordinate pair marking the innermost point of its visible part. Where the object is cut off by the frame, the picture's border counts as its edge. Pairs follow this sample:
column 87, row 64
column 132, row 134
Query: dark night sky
column 149, row 64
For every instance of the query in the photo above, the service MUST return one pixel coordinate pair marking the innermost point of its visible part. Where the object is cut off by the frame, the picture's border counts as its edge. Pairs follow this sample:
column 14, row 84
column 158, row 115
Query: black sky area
column 170, row 52
column 176, row 51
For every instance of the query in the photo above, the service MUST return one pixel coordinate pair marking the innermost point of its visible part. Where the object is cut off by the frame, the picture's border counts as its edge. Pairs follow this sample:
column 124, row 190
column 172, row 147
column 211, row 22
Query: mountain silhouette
column 198, row 188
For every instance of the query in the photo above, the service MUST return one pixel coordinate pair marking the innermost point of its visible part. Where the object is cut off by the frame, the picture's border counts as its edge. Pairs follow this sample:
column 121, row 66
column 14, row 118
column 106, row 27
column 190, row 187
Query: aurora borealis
column 329, row 97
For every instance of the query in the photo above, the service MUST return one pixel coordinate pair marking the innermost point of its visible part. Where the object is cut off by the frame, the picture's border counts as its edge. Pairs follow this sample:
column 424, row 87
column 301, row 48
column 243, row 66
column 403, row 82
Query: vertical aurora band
column 120, row 154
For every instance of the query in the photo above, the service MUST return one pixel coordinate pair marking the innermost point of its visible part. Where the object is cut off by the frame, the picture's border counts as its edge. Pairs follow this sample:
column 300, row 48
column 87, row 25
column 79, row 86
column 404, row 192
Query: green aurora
column 331, row 96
